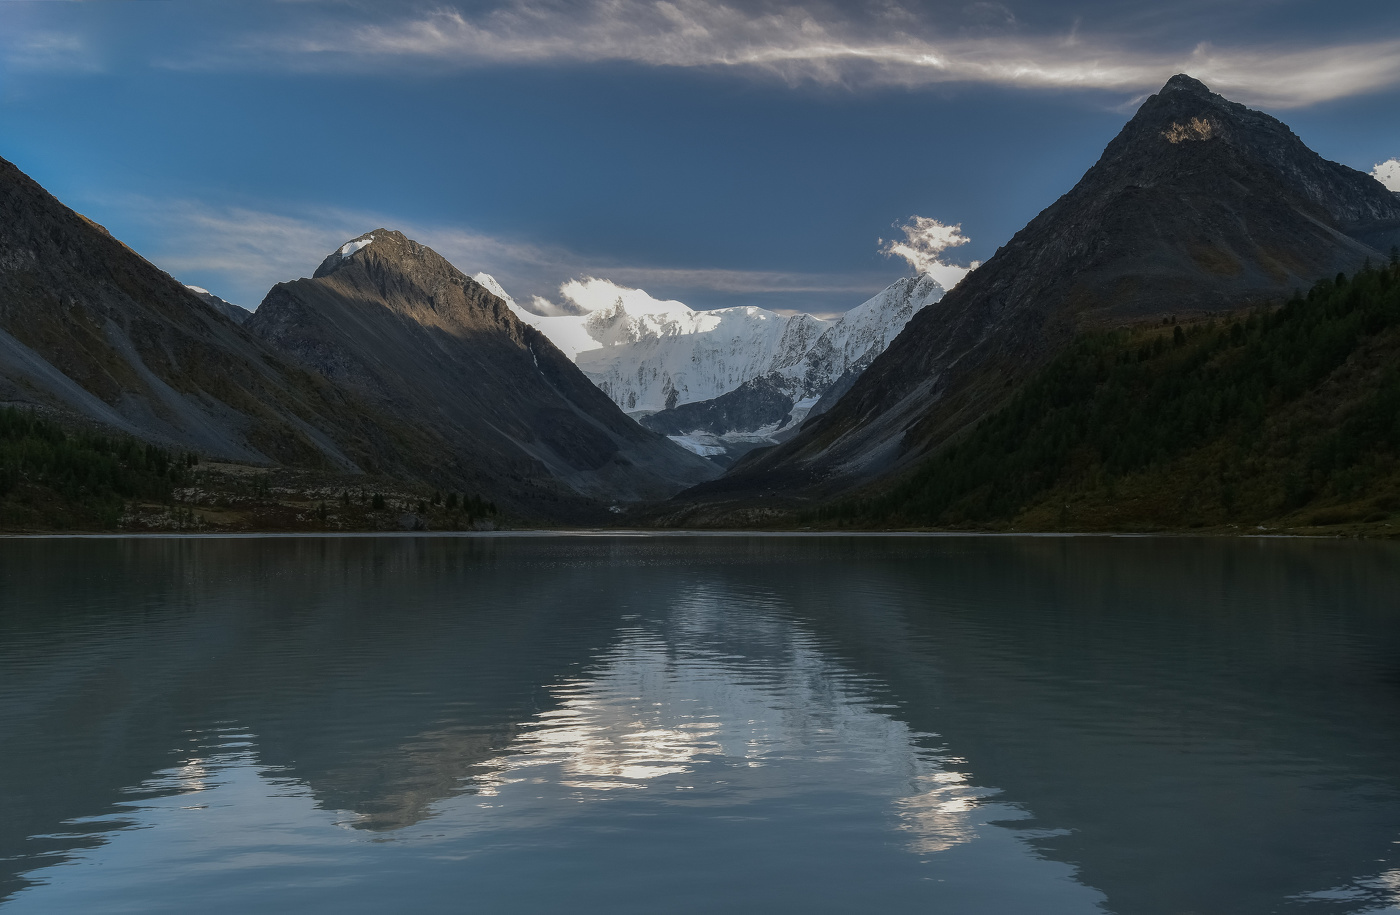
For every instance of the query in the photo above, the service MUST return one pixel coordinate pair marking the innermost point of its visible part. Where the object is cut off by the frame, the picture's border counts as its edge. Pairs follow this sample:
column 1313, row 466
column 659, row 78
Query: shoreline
column 646, row 534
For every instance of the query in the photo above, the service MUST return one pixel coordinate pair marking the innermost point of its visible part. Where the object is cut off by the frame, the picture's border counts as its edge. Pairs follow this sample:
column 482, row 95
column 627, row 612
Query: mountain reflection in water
column 699, row 724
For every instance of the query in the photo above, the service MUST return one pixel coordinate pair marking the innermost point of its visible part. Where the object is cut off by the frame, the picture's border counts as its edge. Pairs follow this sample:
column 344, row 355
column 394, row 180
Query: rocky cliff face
column 395, row 324
column 1198, row 205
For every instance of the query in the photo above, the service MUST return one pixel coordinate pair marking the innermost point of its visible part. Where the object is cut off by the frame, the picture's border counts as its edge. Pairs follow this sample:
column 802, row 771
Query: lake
column 680, row 724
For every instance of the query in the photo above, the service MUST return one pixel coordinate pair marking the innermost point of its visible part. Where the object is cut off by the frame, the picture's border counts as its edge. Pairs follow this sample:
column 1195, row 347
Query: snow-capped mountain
column 722, row 381
column 770, row 408
column 649, row 355
column 860, row 335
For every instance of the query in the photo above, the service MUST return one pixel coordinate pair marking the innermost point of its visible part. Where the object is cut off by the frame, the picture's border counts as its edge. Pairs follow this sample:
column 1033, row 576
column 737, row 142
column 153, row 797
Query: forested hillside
column 57, row 479
column 52, row 478
column 1281, row 418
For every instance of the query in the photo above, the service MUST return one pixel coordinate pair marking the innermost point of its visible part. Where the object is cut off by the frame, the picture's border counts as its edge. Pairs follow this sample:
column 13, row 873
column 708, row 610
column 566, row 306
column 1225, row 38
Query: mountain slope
column 1286, row 418
column 1198, row 205
column 393, row 322
column 93, row 332
column 235, row 313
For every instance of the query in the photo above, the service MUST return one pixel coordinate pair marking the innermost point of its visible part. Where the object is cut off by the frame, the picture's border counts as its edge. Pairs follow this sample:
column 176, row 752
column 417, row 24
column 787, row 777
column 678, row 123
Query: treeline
column 467, row 505
column 1246, row 419
column 53, row 478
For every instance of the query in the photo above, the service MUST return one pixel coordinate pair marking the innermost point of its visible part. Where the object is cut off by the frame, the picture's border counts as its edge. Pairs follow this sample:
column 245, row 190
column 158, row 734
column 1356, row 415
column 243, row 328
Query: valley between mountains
column 1202, row 334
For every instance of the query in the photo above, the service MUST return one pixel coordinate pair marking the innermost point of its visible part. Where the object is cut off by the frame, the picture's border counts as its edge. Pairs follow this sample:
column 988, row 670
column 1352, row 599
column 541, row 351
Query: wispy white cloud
column 799, row 43
column 1388, row 173
column 48, row 51
column 925, row 240
column 240, row 253
column 887, row 43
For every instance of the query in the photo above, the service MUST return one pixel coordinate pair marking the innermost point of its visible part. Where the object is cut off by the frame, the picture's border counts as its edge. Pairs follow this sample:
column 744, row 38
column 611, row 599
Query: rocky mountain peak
column 1199, row 205
column 392, row 245
column 395, row 323
column 392, row 270
column 1190, row 137
column 1183, row 83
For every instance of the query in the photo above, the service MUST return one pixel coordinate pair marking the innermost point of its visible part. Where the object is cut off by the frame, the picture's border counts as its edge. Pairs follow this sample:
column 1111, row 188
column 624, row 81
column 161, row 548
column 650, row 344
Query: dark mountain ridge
column 235, row 313
column 1286, row 418
column 389, row 362
column 1199, row 205
column 394, row 323
column 92, row 332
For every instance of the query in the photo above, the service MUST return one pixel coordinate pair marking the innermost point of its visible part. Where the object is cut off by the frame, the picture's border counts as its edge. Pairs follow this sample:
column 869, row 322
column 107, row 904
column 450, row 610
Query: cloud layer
column 885, row 44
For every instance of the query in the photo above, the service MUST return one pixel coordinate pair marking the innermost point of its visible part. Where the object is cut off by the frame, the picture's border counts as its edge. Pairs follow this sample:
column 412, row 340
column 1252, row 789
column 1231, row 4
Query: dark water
column 699, row 725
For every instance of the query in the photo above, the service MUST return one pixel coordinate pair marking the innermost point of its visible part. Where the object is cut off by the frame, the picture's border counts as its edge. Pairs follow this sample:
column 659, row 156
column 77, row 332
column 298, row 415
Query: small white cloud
column 1388, row 173
column 925, row 240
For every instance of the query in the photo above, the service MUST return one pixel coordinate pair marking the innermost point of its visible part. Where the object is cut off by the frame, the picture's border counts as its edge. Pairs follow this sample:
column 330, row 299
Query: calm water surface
column 747, row 724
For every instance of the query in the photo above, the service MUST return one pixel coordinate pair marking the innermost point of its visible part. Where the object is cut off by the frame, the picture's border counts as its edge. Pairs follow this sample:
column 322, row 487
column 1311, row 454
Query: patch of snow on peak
column 199, row 289
column 350, row 247
column 1388, row 173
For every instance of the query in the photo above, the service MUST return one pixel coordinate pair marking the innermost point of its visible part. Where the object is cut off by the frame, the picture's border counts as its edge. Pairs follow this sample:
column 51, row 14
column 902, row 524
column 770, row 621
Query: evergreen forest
column 1280, row 418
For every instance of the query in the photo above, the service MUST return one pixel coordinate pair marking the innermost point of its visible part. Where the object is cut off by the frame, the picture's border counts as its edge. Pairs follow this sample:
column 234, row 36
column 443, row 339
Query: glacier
column 668, row 365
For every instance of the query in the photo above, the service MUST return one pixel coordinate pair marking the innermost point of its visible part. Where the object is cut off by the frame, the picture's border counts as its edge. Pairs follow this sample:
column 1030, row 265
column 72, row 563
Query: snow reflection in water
column 667, row 702
column 1376, row 895
column 713, row 707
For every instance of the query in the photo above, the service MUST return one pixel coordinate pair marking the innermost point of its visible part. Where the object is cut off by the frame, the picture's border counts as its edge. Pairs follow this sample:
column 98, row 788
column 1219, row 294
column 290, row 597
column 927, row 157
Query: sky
column 792, row 156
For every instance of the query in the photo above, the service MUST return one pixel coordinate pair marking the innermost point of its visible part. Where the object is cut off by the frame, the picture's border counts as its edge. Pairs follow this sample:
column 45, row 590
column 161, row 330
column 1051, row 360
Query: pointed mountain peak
column 385, row 267
column 1183, row 83
column 388, row 241
column 1189, row 137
